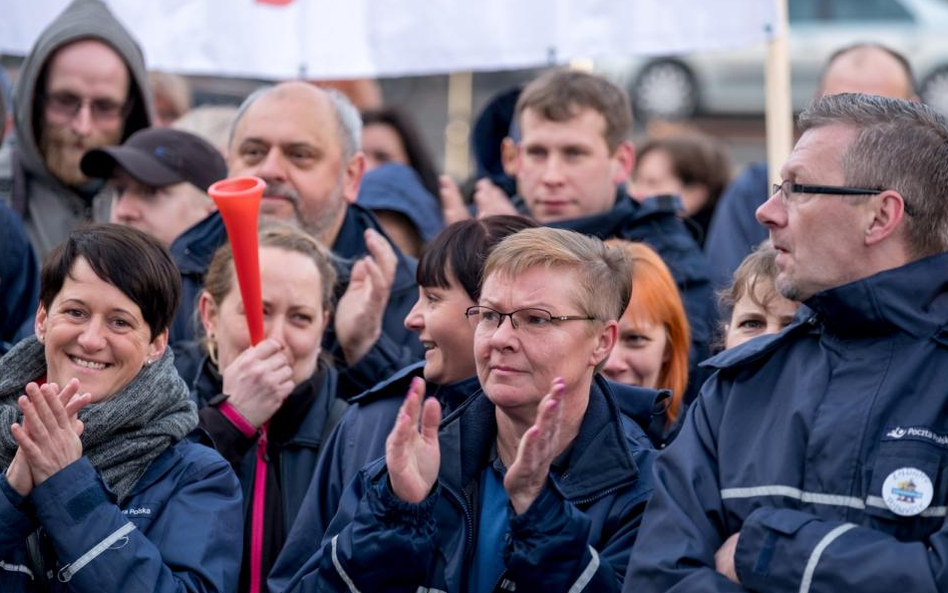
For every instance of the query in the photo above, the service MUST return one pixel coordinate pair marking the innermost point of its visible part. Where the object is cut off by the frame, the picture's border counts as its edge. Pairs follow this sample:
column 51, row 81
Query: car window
column 804, row 11
column 867, row 10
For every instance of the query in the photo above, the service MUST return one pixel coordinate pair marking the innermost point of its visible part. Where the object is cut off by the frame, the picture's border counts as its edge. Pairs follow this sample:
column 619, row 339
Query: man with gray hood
column 82, row 86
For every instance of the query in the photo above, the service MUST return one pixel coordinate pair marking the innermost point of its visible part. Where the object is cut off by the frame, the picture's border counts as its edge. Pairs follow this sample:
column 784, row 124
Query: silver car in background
column 732, row 82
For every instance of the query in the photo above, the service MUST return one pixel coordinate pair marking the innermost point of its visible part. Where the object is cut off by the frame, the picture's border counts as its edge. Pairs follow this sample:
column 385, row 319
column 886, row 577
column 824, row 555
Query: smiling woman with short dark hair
column 101, row 490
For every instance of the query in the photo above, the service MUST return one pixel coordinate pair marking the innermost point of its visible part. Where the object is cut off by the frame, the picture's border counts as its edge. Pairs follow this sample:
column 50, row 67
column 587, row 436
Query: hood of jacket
column 82, row 19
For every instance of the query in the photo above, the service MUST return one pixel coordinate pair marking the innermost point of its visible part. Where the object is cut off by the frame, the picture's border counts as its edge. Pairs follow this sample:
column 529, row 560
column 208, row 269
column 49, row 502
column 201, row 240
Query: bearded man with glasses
column 538, row 484
column 82, row 86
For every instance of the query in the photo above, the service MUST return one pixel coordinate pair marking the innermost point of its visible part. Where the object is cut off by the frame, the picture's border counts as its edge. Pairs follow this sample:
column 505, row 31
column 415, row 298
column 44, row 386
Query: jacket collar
column 158, row 468
column 194, row 249
column 912, row 299
column 598, row 459
column 625, row 212
column 302, row 419
column 304, row 413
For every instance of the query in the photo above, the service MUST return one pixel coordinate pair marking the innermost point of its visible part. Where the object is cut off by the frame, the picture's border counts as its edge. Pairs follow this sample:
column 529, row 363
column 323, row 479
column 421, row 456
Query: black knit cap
column 159, row 157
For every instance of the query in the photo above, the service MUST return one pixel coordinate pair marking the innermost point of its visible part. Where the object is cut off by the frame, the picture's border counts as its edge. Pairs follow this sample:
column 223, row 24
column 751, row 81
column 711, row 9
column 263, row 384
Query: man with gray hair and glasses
column 817, row 459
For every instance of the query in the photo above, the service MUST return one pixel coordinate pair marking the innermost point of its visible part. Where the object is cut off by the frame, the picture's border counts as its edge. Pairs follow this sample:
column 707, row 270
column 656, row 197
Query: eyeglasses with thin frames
column 67, row 105
column 531, row 320
column 787, row 189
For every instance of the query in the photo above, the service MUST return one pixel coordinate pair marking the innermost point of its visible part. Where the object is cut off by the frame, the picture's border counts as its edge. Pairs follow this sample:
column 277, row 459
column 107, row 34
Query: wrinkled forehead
column 300, row 112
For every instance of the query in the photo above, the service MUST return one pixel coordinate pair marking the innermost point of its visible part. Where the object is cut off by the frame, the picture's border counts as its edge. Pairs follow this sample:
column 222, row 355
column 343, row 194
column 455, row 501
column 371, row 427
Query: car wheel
column 934, row 90
column 664, row 89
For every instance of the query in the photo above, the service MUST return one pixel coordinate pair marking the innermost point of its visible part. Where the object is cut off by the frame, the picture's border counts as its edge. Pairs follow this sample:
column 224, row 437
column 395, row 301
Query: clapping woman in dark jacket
column 101, row 491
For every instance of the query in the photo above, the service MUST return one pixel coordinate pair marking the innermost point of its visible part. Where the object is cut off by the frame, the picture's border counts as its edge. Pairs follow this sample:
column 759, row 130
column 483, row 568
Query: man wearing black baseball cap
column 159, row 178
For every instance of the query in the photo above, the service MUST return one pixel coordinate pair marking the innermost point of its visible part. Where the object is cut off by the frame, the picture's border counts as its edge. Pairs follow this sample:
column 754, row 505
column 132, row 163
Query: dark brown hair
column 695, row 159
column 462, row 248
column 132, row 261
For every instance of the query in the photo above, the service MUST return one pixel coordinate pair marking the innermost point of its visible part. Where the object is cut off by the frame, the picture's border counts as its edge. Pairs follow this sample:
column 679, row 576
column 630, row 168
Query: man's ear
column 623, row 161
column 352, row 177
column 886, row 215
column 607, row 337
column 39, row 324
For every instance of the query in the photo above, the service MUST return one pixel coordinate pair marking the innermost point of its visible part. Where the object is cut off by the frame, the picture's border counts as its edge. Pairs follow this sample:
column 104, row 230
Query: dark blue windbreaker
column 577, row 533
column 792, row 443
column 179, row 530
column 357, row 440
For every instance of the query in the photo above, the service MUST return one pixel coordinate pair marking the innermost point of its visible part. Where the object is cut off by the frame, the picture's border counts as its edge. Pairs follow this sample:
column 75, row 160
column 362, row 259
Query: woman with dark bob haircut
column 100, row 489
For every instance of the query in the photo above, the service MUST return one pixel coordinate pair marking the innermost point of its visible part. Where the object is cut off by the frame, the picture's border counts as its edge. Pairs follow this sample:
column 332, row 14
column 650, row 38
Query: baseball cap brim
column 141, row 166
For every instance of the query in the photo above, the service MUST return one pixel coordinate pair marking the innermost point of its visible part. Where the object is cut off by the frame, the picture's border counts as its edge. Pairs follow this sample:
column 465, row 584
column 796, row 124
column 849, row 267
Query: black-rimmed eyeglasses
column 530, row 319
column 788, row 189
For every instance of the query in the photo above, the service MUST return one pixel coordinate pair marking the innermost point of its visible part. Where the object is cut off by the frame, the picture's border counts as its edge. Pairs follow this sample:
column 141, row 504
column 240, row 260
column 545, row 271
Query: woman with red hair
column 654, row 338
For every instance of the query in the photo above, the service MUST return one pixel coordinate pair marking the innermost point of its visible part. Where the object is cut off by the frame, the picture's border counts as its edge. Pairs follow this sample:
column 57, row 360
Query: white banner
column 322, row 39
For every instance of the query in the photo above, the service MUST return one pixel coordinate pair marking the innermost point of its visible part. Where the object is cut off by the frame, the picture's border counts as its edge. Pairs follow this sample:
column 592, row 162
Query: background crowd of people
column 594, row 366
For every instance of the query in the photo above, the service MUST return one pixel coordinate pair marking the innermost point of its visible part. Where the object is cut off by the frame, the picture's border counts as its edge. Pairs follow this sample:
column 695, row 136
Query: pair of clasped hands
column 413, row 456
column 48, row 437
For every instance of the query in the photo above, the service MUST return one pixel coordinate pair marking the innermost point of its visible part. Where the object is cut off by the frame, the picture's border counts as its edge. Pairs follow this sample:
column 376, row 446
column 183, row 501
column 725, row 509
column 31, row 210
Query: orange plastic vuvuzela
column 238, row 201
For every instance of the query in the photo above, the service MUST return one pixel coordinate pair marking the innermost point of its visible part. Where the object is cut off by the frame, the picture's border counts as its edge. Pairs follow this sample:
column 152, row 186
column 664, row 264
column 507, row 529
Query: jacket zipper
column 256, row 516
column 468, row 521
column 598, row 495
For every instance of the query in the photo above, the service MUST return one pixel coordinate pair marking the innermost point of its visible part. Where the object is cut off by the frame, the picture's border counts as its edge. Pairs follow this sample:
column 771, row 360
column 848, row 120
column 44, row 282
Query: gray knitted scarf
column 124, row 433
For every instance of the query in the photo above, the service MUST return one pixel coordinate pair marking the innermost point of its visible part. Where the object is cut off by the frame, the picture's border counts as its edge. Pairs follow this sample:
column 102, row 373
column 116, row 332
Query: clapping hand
column 539, row 445
column 358, row 318
column 48, row 439
column 412, row 455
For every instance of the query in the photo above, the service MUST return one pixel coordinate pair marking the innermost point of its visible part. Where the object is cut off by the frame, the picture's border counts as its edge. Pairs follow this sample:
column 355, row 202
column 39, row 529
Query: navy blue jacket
column 577, row 533
column 397, row 347
column 295, row 454
column 791, row 443
column 192, row 251
column 179, row 529
column 295, row 438
column 655, row 221
column 734, row 230
column 19, row 279
column 357, row 440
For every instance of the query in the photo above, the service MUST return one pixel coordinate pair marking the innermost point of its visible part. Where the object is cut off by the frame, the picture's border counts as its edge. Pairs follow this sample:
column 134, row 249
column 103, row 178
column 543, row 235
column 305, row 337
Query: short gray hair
column 900, row 145
column 347, row 118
